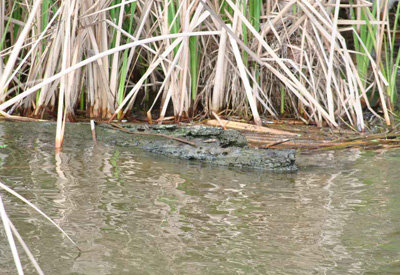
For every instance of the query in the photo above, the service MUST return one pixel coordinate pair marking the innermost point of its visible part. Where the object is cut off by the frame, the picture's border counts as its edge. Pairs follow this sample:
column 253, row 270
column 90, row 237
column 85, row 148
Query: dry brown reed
column 188, row 57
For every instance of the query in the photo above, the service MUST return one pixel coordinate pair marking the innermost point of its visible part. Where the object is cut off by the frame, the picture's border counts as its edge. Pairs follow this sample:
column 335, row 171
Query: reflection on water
column 137, row 213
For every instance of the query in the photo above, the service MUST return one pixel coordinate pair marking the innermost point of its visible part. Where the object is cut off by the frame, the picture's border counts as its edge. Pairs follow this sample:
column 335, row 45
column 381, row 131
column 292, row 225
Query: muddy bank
column 206, row 144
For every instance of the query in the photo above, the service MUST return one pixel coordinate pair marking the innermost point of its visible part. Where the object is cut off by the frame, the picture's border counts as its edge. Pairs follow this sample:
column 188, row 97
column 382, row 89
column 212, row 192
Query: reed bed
column 324, row 62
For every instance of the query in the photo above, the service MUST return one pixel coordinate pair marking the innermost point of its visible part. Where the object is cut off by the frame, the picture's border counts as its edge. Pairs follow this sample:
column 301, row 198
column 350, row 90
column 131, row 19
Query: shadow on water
column 137, row 213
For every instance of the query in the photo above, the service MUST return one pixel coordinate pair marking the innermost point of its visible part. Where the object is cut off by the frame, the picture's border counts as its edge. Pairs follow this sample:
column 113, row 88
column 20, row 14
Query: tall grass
column 302, row 58
column 392, row 58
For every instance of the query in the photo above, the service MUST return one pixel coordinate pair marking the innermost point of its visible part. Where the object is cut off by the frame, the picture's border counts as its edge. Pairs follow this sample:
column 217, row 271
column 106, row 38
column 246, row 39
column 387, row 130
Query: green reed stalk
column 3, row 42
column 114, row 14
column 44, row 22
column 124, row 69
column 3, row 37
column 392, row 61
column 256, row 16
column 44, row 19
column 283, row 95
column 389, row 66
column 173, row 22
column 226, row 10
column 82, row 99
column 367, row 35
column 245, row 33
column 397, row 62
column 294, row 9
column 194, row 65
column 17, row 14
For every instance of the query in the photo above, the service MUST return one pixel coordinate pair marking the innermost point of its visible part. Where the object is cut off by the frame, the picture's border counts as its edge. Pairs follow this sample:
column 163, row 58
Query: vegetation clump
column 323, row 62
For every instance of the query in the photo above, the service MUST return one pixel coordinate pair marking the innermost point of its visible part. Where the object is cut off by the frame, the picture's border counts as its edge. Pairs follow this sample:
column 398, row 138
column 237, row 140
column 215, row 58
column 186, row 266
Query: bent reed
column 324, row 62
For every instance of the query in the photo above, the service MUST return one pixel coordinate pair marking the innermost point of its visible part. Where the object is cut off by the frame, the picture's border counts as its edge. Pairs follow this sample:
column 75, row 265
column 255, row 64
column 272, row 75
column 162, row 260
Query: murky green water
column 137, row 213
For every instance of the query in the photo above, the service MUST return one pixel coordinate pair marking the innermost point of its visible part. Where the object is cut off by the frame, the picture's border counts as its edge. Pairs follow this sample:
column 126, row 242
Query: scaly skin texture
column 213, row 145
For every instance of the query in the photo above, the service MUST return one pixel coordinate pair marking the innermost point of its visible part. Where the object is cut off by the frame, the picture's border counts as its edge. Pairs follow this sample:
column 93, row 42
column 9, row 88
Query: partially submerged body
column 211, row 145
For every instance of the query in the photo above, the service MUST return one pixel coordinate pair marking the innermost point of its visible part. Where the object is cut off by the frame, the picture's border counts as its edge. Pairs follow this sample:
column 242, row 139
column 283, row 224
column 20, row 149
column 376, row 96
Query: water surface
column 133, row 212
